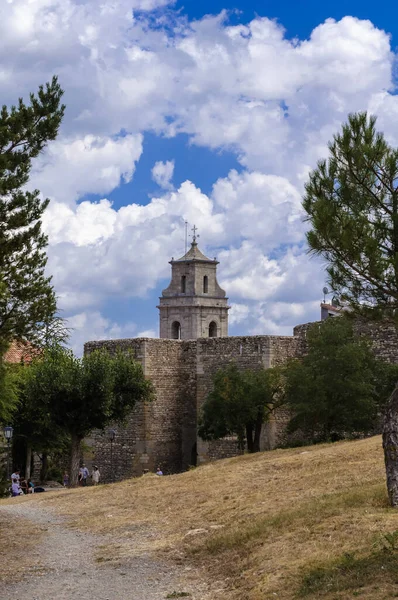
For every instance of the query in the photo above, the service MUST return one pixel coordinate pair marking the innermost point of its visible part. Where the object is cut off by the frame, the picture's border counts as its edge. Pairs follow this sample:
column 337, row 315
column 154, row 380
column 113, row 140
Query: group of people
column 20, row 485
column 84, row 474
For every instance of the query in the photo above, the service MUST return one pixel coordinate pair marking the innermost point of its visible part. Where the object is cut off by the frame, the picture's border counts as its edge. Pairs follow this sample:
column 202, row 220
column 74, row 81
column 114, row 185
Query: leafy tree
column 240, row 403
column 334, row 389
column 9, row 396
column 34, row 427
column 53, row 328
column 82, row 394
column 351, row 200
column 26, row 295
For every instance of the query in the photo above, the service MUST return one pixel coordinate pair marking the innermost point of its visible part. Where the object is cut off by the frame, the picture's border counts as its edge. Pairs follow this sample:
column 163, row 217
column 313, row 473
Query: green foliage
column 390, row 541
column 26, row 295
column 349, row 574
column 337, row 388
column 351, row 201
column 65, row 396
column 240, row 403
column 9, row 390
column 82, row 394
column 33, row 425
column 4, row 483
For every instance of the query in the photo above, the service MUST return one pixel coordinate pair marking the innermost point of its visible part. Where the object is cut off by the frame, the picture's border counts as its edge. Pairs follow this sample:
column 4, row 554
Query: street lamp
column 8, row 431
column 111, row 436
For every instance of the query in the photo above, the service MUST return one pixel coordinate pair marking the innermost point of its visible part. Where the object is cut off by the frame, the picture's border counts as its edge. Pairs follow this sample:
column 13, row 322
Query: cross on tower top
column 194, row 229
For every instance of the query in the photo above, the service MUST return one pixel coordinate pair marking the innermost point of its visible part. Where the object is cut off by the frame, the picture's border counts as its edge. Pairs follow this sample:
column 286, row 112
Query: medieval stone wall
column 248, row 352
column 382, row 335
column 125, row 455
column 163, row 432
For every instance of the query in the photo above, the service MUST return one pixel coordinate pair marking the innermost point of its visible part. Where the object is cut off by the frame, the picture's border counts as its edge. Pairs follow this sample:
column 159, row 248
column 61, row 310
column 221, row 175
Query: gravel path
column 66, row 567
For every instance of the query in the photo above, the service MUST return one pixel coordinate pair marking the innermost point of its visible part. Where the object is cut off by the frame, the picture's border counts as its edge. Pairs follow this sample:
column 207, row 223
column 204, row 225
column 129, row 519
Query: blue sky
column 298, row 17
column 182, row 112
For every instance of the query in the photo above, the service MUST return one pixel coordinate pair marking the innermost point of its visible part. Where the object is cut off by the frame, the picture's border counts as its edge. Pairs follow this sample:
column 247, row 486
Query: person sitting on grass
column 15, row 489
column 15, row 475
column 23, row 485
column 159, row 471
column 31, row 486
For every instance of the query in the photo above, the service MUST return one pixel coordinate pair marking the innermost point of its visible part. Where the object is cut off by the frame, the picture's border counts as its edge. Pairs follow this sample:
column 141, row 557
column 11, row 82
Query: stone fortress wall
column 164, row 432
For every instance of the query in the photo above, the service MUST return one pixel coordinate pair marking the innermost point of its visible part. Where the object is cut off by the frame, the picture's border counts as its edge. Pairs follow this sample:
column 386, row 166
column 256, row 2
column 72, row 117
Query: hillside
column 298, row 523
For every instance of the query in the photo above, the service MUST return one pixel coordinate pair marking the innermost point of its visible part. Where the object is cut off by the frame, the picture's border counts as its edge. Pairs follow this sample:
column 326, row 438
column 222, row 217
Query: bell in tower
column 193, row 305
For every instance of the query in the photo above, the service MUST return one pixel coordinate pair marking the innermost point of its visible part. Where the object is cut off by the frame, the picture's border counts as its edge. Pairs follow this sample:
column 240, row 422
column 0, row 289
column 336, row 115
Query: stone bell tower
column 193, row 305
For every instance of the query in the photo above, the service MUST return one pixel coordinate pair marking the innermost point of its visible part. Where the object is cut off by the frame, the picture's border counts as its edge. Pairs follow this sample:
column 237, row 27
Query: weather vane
column 194, row 229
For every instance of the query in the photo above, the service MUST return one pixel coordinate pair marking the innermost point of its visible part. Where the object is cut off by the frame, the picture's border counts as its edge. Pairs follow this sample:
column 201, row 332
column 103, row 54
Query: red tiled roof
column 19, row 352
column 331, row 306
column 335, row 308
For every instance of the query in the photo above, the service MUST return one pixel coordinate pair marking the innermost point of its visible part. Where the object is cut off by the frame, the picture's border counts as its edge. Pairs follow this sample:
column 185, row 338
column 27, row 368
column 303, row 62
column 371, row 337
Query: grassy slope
column 18, row 538
column 305, row 522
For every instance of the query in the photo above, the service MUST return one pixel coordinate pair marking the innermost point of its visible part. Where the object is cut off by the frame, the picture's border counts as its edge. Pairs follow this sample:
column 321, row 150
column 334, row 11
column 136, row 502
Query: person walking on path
column 95, row 475
column 83, row 474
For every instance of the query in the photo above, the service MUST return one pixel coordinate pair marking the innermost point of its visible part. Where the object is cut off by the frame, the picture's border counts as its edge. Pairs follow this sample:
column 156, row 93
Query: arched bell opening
column 205, row 284
column 175, row 331
column 213, row 329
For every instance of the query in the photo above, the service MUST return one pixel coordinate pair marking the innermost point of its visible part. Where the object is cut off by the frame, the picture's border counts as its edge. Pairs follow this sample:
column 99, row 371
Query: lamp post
column 8, row 431
column 111, row 436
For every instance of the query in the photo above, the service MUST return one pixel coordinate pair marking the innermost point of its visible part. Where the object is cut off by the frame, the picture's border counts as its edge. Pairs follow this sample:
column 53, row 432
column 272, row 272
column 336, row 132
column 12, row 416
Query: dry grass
column 304, row 522
column 18, row 538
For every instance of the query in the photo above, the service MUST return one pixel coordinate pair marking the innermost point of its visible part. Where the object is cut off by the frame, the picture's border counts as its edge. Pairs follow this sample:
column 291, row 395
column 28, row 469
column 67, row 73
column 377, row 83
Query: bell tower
column 193, row 305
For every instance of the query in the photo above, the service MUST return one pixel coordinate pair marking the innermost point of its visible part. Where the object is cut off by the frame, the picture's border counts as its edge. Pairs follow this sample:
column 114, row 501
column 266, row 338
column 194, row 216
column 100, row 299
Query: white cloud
column 147, row 333
column 87, row 326
column 238, row 313
column 273, row 101
column 124, row 253
column 248, row 87
column 92, row 164
column 162, row 173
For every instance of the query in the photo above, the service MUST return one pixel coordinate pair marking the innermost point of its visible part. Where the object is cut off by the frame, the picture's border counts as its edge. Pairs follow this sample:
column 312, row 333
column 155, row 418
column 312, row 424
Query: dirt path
column 67, row 569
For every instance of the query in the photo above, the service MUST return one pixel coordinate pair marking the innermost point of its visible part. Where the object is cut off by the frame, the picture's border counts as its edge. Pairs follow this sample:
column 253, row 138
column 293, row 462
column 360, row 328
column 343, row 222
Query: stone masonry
column 164, row 432
column 193, row 305
column 193, row 345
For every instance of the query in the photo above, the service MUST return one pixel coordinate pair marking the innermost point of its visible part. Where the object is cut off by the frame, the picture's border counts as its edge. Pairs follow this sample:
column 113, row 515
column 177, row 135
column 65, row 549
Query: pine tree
column 351, row 201
column 26, row 294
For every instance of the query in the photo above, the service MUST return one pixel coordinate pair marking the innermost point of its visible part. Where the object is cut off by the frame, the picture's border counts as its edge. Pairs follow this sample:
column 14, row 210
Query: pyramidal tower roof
column 194, row 254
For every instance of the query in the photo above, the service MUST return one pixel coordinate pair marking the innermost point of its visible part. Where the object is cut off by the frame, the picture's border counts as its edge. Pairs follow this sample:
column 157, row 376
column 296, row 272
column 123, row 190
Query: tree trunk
column 74, row 461
column 390, row 446
column 257, row 433
column 241, row 441
column 249, row 438
column 44, row 467
column 28, row 460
